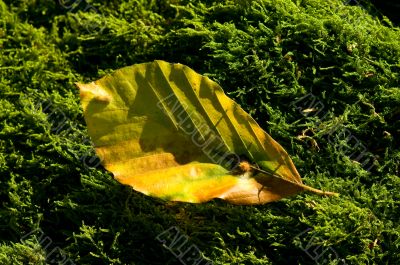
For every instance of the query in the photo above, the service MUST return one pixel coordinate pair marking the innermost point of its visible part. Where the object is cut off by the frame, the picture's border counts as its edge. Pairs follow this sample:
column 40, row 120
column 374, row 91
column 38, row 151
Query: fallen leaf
column 171, row 133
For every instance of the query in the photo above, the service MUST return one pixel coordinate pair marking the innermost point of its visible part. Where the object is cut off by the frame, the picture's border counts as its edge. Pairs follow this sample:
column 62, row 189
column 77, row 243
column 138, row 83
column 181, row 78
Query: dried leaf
column 169, row 132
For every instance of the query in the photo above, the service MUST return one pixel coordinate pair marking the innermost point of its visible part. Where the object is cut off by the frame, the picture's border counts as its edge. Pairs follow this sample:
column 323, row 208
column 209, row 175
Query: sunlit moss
column 268, row 56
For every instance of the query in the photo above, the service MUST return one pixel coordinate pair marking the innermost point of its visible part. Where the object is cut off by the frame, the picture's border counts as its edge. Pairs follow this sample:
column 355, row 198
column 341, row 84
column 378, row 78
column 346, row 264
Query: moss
column 320, row 76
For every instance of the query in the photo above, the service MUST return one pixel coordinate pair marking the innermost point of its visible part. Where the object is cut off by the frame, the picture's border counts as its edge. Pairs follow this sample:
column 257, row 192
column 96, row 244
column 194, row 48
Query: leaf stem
column 305, row 187
column 319, row 192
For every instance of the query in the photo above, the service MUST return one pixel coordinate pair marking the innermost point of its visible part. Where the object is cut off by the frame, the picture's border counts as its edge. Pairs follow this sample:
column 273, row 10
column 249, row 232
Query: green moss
column 267, row 55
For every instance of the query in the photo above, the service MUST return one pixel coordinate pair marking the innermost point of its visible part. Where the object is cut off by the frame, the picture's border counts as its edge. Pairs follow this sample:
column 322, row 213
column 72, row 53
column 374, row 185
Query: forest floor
column 321, row 77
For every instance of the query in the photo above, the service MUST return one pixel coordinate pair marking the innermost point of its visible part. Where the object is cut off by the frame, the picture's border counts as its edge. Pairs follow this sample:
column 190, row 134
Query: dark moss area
column 323, row 78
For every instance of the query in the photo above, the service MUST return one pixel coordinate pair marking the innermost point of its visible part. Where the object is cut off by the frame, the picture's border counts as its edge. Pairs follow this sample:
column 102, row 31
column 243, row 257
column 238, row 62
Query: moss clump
column 320, row 76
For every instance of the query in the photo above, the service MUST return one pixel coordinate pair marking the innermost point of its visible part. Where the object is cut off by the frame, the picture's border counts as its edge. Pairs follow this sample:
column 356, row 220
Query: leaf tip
column 93, row 91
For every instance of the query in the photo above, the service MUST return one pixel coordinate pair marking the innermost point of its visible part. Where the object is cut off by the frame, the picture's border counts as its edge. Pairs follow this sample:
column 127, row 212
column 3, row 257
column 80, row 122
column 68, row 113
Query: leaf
column 169, row 132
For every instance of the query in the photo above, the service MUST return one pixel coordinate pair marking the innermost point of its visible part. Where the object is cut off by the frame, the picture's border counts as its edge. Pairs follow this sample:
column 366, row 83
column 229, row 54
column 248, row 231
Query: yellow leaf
column 169, row 132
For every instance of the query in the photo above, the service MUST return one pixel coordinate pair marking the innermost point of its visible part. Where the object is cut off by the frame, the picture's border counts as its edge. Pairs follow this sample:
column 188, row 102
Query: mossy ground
column 268, row 56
